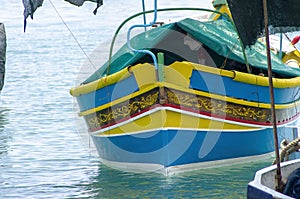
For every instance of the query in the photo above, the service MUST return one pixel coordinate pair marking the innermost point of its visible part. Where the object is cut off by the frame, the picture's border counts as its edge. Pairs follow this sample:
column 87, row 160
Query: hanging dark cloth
column 80, row 3
column 284, row 16
column 30, row 6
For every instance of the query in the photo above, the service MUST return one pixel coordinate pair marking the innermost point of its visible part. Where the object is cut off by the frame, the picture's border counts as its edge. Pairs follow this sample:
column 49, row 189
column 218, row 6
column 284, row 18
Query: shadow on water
column 4, row 136
column 206, row 183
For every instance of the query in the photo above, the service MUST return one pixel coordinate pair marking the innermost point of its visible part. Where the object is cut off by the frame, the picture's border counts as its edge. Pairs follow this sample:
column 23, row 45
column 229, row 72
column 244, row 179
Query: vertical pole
column 278, row 178
column 160, row 60
column 139, row 26
column 161, row 77
column 280, row 48
column 144, row 15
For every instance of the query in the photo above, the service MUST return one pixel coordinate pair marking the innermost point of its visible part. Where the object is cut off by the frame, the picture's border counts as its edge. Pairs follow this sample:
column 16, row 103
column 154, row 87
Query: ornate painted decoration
column 123, row 110
column 214, row 107
column 222, row 109
column 189, row 102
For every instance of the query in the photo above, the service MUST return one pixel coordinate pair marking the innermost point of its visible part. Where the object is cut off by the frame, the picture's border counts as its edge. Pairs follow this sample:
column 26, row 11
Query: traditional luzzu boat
column 187, row 95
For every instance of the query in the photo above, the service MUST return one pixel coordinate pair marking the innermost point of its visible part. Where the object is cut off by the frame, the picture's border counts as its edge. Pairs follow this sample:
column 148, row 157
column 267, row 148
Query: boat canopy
column 219, row 36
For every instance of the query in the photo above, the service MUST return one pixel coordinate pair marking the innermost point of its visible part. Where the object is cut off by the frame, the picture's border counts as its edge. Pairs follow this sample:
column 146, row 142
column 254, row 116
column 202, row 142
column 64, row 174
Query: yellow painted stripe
column 170, row 119
column 292, row 55
column 246, row 77
column 181, row 83
column 149, row 87
column 144, row 74
column 179, row 73
column 221, row 8
column 212, row 70
column 100, row 83
column 263, row 81
column 229, row 99
column 183, row 69
column 145, row 88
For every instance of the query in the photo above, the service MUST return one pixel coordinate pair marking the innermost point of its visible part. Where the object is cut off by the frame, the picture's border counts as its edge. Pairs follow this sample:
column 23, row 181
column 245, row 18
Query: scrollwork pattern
column 214, row 106
column 123, row 110
column 183, row 100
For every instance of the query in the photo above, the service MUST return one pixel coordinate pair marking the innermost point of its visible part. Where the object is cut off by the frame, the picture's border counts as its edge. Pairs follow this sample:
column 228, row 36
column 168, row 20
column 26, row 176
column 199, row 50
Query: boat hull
column 173, row 148
column 263, row 185
column 198, row 116
column 178, row 147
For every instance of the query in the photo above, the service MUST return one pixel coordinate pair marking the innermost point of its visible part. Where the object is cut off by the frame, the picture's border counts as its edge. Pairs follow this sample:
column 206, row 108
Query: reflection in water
column 207, row 183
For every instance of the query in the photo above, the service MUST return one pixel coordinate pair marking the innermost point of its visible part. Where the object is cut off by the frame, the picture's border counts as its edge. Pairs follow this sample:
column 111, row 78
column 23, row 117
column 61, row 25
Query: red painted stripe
column 197, row 112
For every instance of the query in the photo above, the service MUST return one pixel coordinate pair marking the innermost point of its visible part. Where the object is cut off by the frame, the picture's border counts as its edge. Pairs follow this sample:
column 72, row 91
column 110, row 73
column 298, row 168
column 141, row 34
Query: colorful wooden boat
column 188, row 94
column 263, row 185
column 205, row 103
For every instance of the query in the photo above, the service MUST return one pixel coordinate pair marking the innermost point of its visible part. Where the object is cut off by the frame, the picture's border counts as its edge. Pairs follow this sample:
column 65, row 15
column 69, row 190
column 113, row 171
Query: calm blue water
column 42, row 151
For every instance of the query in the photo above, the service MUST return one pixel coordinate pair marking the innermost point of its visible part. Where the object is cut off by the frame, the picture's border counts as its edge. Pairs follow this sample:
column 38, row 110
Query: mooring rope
column 288, row 148
column 74, row 37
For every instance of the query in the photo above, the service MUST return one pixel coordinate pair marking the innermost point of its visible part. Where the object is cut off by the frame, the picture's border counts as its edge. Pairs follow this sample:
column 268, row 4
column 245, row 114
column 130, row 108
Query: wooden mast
column 278, row 177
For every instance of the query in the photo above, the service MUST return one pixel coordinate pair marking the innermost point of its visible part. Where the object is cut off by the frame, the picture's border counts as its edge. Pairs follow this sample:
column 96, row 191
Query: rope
column 73, row 35
column 288, row 149
column 231, row 50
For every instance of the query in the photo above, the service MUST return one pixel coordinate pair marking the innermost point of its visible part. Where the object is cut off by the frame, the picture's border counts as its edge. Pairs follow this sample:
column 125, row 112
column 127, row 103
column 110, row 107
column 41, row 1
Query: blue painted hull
column 181, row 147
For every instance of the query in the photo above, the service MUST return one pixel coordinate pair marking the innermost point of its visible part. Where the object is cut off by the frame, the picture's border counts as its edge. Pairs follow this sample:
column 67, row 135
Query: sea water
column 43, row 150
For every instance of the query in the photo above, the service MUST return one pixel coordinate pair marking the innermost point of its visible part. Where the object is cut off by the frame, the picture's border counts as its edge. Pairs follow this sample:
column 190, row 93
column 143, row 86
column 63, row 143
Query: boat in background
column 264, row 184
column 292, row 57
column 2, row 55
column 283, row 46
column 186, row 95
column 264, row 187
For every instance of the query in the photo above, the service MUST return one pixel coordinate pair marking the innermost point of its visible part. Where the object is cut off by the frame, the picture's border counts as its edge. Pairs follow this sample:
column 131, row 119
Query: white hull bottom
column 172, row 170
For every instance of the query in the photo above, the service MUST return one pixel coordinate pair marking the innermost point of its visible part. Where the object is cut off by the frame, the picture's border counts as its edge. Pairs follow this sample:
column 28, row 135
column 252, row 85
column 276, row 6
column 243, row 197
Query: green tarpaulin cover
column 220, row 36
